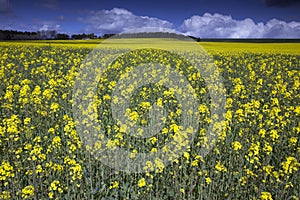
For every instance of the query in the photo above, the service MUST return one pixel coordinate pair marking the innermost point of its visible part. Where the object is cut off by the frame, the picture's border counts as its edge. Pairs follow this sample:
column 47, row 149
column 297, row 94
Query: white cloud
column 119, row 20
column 150, row 30
column 48, row 27
column 222, row 26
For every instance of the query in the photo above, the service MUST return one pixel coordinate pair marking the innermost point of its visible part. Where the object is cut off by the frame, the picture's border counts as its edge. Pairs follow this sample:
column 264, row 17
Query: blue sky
column 200, row 18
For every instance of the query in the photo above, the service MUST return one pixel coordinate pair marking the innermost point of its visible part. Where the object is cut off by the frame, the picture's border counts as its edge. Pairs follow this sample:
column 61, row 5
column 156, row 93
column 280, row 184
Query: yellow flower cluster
column 256, row 155
column 6, row 171
column 28, row 192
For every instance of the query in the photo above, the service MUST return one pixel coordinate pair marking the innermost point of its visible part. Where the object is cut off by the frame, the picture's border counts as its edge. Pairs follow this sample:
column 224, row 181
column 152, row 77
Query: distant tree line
column 47, row 35
column 43, row 35
column 156, row 35
column 20, row 35
column 52, row 34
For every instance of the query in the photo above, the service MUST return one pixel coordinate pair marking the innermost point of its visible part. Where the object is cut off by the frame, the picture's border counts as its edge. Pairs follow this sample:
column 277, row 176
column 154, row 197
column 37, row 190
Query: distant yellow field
column 291, row 48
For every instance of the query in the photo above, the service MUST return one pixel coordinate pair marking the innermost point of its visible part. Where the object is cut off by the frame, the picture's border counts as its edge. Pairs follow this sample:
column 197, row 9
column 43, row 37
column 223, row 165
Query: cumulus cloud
column 5, row 7
column 222, row 26
column 48, row 27
column 119, row 20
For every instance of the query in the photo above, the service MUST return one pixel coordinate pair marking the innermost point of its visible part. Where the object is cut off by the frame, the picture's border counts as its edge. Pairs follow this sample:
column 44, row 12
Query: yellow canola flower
column 27, row 192
column 142, row 182
column 268, row 169
column 56, row 141
column 291, row 164
column 267, row 148
column 134, row 116
column 274, row 135
column 133, row 153
column 9, row 95
column 24, row 90
column 114, row 185
column 182, row 190
column 153, row 140
column 220, row 167
column 54, row 107
column 5, row 195
column 148, row 166
column 293, row 141
column 208, row 180
column 39, row 169
column 50, row 195
column 47, row 94
column 159, row 165
column 145, row 105
column 203, row 108
column 236, row 145
column 106, row 97
column 27, row 120
column 6, row 170
column 266, row 196
column 12, row 124
column 186, row 155
column 159, row 102
column 297, row 110
column 54, row 185
column 175, row 128
column 262, row 132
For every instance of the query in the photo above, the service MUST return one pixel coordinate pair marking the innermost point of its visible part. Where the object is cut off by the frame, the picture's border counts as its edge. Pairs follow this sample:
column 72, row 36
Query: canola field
column 256, row 154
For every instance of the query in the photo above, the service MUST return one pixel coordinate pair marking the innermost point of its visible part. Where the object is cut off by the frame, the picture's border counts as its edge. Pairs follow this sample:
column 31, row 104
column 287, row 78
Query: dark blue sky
column 223, row 18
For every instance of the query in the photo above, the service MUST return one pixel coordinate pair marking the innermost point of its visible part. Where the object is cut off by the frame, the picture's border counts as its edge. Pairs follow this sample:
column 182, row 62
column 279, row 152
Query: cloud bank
column 223, row 26
column 119, row 20
column 47, row 27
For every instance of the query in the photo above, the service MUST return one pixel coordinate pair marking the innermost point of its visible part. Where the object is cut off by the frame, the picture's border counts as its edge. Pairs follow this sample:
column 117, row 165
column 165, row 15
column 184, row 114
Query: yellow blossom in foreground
column 50, row 195
column 220, row 167
column 54, row 185
column 266, row 196
column 153, row 140
column 114, row 184
column 6, row 171
column 27, row 191
column 27, row 120
column 159, row 165
column 42, row 145
column 291, row 164
column 142, row 182
column 54, row 107
column 208, row 180
column 268, row 169
column 236, row 145
column 5, row 195
column 182, row 190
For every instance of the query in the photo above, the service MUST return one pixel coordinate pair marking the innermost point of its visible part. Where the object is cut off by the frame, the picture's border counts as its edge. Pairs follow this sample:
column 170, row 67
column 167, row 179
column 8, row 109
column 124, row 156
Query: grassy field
column 255, row 154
